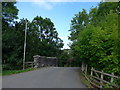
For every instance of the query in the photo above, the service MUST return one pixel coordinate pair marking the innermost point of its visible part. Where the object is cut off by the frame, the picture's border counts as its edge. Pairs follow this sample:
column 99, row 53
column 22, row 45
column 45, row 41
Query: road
column 50, row 77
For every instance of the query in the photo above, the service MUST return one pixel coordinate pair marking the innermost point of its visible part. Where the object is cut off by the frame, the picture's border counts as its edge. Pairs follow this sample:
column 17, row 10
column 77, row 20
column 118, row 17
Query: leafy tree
column 9, row 40
column 104, row 40
column 78, row 23
column 47, row 35
column 42, row 37
column 9, row 12
column 99, row 13
column 97, row 43
column 62, row 60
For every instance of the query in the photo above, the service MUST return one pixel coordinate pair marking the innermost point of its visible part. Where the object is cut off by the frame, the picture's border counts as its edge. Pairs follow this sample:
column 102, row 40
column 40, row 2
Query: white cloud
column 60, row 0
column 49, row 4
column 46, row 5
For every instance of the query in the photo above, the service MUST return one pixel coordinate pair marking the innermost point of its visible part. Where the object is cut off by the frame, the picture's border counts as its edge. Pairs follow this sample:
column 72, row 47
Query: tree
column 97, row 43
column 9, row 12
column 47, row 35
column 78, row 23
column 99, row 13
column 9, row 39
column 64, row 58
column 42, row 38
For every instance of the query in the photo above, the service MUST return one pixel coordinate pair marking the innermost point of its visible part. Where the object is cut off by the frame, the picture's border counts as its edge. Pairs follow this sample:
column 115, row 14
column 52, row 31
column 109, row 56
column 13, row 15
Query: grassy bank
column 84, row 81
column 10, row 72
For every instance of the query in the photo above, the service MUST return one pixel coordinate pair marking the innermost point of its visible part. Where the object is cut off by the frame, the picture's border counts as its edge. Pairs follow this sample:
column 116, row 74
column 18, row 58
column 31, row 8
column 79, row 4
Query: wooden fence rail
column 98, row 78
column 30, row 63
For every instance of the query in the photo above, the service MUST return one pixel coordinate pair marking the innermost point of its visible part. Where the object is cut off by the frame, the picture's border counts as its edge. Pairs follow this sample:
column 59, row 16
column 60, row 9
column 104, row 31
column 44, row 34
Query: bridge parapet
column 42, row 61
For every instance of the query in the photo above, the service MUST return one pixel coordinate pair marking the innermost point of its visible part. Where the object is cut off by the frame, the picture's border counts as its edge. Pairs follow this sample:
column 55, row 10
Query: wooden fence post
column 91, row 74
column 86, row 69
column 112, row 78
column 32, row 64
column 101, row 81
column 82, row 66
column 97, row 77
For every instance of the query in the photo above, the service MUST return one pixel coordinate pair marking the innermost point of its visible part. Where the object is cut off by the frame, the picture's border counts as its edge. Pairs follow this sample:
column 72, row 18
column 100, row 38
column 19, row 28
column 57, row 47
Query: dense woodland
column 94, row 37
column 42, row 37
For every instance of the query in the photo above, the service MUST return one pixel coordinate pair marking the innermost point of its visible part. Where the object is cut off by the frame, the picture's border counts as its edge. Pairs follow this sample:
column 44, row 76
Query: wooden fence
column 29, row 63
column 99, row 79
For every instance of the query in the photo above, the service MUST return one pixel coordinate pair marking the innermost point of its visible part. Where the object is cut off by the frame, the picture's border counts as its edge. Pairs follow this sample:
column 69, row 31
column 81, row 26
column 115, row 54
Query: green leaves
column 97, row 42
column 9, row 11
column 79, row 22
column 42, row 37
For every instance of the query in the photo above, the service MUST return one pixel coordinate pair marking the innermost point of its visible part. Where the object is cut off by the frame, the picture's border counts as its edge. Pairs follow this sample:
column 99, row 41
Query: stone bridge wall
column 42, row 61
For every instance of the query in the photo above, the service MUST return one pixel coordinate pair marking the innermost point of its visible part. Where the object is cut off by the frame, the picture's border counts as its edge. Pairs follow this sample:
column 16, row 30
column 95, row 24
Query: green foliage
column 9, row 72
column 97, row 43
column 42, row 38
column 66, row 59
column 108, row 85
column 78, row 23
column 9, row 12
column 62, row 59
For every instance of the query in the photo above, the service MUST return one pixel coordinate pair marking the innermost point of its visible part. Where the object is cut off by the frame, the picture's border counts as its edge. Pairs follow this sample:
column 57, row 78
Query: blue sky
column 60, row 13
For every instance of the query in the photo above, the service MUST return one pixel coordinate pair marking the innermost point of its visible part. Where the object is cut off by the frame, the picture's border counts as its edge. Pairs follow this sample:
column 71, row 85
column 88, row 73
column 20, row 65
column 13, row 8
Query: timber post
column 101, row 81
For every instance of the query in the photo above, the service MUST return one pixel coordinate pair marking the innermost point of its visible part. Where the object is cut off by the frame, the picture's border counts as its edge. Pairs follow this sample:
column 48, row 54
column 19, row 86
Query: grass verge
column 10, row 72
column 84, row 81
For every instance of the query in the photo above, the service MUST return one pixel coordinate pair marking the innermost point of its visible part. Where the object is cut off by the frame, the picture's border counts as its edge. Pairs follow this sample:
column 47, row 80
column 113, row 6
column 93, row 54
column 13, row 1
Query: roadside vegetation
column 10, row 72
column 84, row 80
column 95, row 38
column 42, row 38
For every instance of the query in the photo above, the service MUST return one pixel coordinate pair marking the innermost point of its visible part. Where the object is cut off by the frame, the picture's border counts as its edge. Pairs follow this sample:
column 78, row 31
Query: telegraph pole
column 25, row 45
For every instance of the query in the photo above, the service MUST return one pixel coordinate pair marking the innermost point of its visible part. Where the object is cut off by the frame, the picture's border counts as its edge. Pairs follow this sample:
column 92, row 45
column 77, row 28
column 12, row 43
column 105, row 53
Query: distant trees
column 42, row 37
column 62, row 59
column 94, row 37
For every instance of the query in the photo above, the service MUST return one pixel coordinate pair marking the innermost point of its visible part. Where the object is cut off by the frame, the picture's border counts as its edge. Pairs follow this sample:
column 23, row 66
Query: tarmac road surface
column 48, row 77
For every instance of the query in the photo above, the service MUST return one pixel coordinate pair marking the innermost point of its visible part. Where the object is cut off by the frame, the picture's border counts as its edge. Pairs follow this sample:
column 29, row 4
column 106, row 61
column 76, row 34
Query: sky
column 60, row 13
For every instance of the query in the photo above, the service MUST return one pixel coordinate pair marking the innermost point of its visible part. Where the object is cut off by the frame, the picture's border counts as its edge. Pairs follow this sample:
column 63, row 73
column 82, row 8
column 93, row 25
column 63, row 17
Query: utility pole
column 25, row 45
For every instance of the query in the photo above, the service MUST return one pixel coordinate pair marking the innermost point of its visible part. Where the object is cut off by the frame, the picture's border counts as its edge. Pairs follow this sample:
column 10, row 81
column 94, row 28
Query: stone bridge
column 42, row 61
